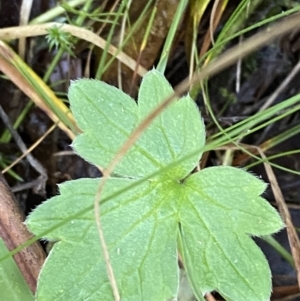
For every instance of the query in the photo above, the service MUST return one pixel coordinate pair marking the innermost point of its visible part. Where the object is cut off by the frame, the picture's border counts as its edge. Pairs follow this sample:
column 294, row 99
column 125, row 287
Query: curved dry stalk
column 225, row 60
column 285, row 214
column 109, row 269
column 11, row 33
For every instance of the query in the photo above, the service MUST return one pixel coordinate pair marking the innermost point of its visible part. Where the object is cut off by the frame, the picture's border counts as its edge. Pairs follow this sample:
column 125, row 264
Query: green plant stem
column 6, row 136
column 161, row 67
column 284, row 154
column 85, row 8
column 53, row 64
column 279, row 248
column 54, row 12
column 128, row 36
column 220, row 43
column 109, row 39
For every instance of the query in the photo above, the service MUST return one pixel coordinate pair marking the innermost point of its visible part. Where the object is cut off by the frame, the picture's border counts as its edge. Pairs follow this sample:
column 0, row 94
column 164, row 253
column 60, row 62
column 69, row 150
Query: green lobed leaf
column 208, row 215
column 107, row 116
column 221, row 205
column 140, row 233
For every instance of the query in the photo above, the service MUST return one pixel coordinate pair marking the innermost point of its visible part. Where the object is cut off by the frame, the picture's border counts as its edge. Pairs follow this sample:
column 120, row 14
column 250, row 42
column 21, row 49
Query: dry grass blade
column 24, row 18
column 216, row 14
column 29, row 150
column 11, row 33
column 285, row 214
column 109, row 269
column 224, row 61
column 281, row 87
column 7, row 60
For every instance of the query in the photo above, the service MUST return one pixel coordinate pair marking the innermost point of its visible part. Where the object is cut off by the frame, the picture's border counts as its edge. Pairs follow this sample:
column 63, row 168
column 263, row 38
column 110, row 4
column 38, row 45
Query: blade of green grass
column 162, row 64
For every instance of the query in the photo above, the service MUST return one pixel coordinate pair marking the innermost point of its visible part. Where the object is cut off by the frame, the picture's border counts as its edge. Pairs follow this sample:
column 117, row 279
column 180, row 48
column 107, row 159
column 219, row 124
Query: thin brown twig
column 285, row 214
column 110, row 271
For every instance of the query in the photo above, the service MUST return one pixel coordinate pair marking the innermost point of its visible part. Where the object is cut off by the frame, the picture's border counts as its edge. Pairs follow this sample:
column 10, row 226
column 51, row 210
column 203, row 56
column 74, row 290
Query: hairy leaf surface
column 208, row 215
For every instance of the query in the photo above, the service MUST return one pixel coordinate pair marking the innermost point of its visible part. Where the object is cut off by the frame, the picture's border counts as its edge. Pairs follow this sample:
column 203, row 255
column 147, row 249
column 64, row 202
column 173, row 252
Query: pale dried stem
column 30, row 149
column 285, row 214
column 212, row 21
column 24, row 18
column 11, row 33
column 281, row 87
column 109, row 269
